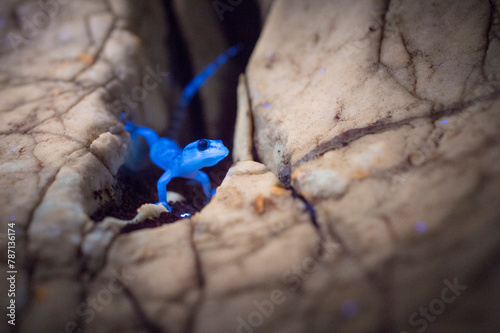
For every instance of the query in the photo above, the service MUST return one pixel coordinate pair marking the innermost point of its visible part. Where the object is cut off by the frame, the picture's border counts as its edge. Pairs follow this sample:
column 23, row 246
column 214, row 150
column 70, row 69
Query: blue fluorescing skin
column 178, row 162
column 195, row 84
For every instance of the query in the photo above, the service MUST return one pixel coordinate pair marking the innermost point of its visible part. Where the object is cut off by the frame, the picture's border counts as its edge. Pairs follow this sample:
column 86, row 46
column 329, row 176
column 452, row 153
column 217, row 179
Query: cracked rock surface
column 61, row 141
column 388, row 126
column 365, row 186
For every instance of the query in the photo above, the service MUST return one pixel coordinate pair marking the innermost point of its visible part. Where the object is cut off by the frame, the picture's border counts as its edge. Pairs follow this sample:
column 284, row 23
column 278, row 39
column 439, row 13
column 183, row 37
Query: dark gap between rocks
column 138, row 188
column 191, row 123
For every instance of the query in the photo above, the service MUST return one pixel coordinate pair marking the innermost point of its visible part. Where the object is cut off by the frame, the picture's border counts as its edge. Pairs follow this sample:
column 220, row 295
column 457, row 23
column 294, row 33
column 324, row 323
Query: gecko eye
column 202, row 145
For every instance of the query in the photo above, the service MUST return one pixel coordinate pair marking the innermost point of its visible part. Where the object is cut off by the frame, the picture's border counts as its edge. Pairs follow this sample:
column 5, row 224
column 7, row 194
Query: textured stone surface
column 184, row 274
column 61, row 142
column 388, row 126
column 374, row 128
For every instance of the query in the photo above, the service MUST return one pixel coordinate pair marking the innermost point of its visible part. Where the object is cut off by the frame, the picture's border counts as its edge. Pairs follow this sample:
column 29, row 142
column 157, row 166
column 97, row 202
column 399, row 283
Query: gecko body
column 178, row 162
column 187, row 162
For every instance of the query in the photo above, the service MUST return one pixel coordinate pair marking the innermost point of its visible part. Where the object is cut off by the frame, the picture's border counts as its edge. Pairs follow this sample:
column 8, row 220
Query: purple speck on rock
column 420, row 226
column 271, row 53
column 349, row 308
column 12, row 218
column 267, row 105
column 256, row 95
column 444, row 122
column 321, row 70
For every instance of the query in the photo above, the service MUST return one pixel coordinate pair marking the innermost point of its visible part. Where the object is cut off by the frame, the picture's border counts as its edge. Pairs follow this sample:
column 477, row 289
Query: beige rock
column 243, row 129
column 388, row 127
column 61, row 139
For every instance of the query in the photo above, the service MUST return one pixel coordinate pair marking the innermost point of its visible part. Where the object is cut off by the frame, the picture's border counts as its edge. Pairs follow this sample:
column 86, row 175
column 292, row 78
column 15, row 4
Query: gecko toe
column 164, row 204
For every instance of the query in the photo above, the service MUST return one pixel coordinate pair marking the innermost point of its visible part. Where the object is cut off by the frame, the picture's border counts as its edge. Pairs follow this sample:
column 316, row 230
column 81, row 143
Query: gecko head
column 204, row 153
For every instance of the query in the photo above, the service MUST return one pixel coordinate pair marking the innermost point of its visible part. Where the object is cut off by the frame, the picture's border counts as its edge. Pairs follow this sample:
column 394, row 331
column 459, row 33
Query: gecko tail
column 194, row 85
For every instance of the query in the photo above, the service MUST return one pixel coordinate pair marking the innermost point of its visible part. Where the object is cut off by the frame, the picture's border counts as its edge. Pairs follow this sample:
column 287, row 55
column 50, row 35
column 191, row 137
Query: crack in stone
column 146, row 322
column 379, row 126
column 96, row 57
column 382, row 29
column 404, row 42
column 412, row 64
column 87, row 18
column 309, row 207
column 100, row 160
column 489, row 35
column 200, row 278
column 38, row 100
column 412, row 93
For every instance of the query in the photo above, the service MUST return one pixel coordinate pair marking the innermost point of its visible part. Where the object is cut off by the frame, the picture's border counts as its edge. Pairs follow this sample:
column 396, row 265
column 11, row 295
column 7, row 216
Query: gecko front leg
column 161, row 186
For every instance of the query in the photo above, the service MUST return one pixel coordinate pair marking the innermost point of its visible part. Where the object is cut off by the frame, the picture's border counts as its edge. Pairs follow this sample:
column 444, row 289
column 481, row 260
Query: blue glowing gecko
column 178, row 162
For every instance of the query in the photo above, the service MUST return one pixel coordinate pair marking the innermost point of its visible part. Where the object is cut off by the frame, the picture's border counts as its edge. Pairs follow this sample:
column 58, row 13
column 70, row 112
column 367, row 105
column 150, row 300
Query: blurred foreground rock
column 363, row 197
